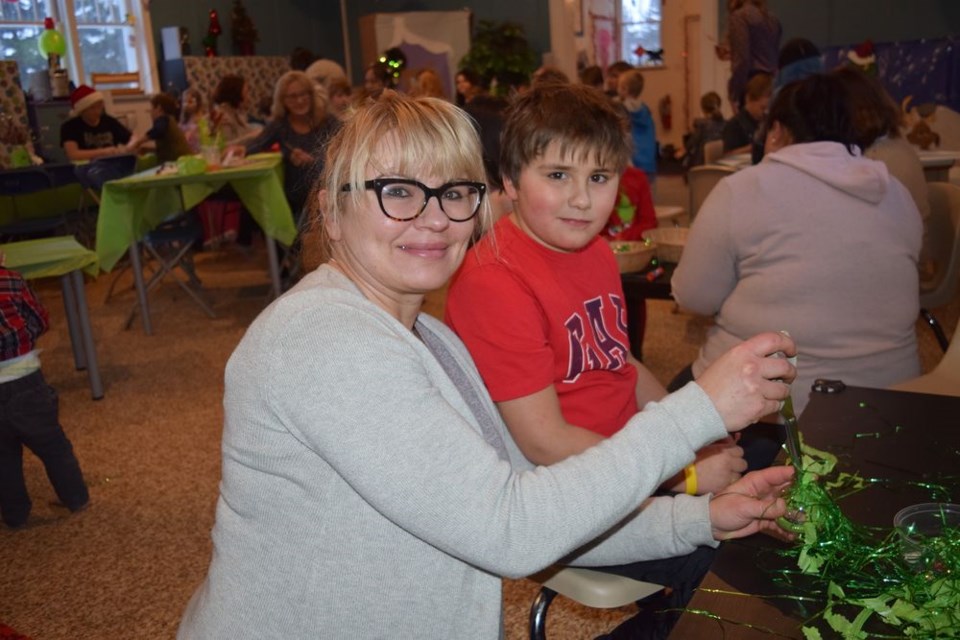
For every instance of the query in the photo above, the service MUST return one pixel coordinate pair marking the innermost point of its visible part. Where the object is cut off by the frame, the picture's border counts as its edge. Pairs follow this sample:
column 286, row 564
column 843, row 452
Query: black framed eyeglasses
column 402, row 199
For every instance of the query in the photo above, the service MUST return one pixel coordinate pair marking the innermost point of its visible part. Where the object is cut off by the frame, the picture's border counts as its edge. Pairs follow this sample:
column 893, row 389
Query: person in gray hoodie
column 815, row 240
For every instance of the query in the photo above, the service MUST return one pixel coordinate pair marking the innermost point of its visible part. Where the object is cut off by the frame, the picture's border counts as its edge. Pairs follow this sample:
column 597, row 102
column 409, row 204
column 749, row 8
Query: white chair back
column 701, row 181
column 943, row 229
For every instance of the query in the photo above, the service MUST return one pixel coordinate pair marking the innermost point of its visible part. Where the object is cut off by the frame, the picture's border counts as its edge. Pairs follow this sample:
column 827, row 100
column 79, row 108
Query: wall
column 281, row 25
column 316, row 25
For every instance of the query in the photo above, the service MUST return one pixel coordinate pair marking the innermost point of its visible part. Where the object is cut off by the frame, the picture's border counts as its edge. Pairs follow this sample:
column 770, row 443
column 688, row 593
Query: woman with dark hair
column 230, row 99
column 878, row 119
column 816, row 240
column 469, row 85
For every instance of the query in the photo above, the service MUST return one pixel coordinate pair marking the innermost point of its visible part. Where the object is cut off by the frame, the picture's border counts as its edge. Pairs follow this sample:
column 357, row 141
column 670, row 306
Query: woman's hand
column 748, row 382
column 752, row 504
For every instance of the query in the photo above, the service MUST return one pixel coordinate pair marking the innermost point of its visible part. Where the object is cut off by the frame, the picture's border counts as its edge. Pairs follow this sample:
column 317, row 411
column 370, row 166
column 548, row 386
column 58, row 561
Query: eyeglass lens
column 405, row 201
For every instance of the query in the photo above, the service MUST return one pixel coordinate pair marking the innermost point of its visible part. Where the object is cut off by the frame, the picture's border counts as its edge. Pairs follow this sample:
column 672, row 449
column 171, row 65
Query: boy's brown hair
column 760, row 85
column 632, row 82
column 167, row 104
column 580, row 118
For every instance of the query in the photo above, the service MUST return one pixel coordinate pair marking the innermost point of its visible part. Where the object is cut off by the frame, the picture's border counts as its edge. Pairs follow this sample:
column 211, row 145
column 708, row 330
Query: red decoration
column 213, row 32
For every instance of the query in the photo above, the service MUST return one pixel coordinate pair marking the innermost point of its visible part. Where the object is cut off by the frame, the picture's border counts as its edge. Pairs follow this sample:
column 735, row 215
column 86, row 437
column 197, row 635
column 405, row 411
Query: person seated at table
column 360, row 444
column 341, row 97
column 91, row 133
column 165, row 132
column 540, row 306
column 427, row 83
column 29, row 407
column 739, row 131
column 815, row 240
column 878, row 121
column 301, row 126
column 191, row 113
column 376, row 79
column 469, row 85
column 231, row 98
column 706, row 129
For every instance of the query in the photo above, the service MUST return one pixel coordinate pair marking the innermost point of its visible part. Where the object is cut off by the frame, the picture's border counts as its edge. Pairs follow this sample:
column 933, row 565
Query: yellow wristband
column 690, row 478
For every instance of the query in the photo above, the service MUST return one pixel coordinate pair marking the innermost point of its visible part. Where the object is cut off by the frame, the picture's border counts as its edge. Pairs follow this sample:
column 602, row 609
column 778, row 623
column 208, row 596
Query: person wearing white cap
column 90, row 133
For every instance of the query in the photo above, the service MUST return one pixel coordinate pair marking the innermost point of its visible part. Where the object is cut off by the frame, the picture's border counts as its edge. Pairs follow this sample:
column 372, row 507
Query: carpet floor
column 150, row 451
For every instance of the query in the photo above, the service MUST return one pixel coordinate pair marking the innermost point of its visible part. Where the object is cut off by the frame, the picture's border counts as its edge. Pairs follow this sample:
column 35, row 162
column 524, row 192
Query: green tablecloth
column 49, row 257
column 131, row 207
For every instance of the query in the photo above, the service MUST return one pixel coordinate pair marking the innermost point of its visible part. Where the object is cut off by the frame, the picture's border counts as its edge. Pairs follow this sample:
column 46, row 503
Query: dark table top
column 56, row 174
column 890, row 435
column 638, row 285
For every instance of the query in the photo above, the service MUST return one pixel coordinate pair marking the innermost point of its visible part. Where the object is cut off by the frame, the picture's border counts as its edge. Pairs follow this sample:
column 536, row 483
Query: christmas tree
column 213, row 32
column 244, row 33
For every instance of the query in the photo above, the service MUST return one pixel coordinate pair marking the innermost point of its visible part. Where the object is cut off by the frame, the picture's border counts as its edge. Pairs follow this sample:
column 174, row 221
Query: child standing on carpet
column 539, row 304
column 29, row 407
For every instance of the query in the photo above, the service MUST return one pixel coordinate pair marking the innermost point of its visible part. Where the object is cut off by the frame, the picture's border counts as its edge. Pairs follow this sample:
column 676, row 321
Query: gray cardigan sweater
column 359, row 498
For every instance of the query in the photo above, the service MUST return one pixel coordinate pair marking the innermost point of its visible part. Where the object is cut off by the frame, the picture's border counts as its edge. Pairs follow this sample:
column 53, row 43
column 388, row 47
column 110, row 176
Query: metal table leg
column 73, row 325
column 82, row 315
column 274, row 266
column 137, row 267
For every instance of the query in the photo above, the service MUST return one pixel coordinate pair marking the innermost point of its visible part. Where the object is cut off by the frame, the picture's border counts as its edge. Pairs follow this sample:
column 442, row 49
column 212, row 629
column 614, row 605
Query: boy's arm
column 649, row 388
column 718, row 464
column 540, row 430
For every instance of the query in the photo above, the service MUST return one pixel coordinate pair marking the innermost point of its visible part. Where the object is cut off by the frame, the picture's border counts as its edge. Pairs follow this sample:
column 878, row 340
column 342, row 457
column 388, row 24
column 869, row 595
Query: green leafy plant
column 501, row 54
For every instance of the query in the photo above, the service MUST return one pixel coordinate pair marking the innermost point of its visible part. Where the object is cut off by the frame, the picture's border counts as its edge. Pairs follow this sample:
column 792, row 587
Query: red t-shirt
column 532, row 317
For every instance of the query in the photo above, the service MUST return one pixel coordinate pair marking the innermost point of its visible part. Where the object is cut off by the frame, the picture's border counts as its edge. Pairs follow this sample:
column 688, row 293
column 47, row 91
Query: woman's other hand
column 752, row 504
column 748, row 382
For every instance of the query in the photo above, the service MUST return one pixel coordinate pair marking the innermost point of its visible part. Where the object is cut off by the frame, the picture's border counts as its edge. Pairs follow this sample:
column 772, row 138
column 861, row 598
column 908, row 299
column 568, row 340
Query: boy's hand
column 752, row 504
column 719, row 465
column 747, row 382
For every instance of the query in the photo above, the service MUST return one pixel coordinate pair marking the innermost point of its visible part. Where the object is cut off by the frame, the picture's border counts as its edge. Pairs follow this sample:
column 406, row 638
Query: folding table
column 133, row 206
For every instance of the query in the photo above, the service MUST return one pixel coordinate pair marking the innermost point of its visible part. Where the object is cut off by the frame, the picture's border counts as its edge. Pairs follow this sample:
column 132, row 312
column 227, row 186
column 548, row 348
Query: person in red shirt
column 29, row 407
column 539, row 304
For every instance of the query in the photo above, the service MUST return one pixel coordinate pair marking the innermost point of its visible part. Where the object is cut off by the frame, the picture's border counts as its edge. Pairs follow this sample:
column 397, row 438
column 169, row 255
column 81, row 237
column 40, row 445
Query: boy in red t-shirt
column 540, row 306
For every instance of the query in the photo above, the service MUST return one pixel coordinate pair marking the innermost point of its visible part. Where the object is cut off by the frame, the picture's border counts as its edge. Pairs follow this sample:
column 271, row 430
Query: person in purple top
column 754, row 35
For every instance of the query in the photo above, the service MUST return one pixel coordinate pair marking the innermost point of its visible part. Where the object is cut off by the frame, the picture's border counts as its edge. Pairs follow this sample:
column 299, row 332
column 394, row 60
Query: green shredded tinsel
column 861, row 573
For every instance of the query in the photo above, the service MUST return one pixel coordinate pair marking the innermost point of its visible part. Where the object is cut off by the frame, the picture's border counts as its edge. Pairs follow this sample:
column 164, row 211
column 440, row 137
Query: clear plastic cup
column 920, row 526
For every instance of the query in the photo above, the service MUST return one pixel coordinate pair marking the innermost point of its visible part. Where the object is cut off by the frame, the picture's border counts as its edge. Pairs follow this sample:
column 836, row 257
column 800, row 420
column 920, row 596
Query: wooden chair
column 119, row 84
column 586, row 586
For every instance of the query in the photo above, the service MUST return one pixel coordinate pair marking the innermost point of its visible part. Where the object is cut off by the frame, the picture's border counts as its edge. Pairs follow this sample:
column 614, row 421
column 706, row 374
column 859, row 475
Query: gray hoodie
column 821, row 243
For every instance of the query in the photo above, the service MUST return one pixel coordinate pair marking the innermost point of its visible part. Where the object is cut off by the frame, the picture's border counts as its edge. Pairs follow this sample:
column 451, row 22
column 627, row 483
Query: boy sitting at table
column 28, row 407
column 166, row 132
column 540, row 305
column 90, row 133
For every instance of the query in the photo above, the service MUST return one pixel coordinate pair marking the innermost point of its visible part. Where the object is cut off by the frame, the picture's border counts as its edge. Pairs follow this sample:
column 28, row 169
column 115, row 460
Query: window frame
column 145, row 56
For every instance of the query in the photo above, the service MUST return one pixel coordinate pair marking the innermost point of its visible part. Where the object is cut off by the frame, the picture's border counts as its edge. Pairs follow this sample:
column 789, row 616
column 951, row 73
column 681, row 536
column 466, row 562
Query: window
column 102, row 36
column 640, row 27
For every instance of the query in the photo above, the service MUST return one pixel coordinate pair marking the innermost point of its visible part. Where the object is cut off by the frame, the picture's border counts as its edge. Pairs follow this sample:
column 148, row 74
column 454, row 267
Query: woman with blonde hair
column 367, row 486
column 427, row 84
column 300, row 125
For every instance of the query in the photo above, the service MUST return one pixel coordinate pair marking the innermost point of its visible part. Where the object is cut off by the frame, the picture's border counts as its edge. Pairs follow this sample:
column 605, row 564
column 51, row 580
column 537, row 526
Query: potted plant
column 501, row 54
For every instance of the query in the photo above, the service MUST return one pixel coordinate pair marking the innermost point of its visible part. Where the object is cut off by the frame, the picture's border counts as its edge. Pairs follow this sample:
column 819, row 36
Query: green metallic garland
column 860, row 572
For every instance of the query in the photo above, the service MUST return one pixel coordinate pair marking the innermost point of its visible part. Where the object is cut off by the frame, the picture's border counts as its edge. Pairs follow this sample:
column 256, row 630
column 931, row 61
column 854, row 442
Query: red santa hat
column 83, row 97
